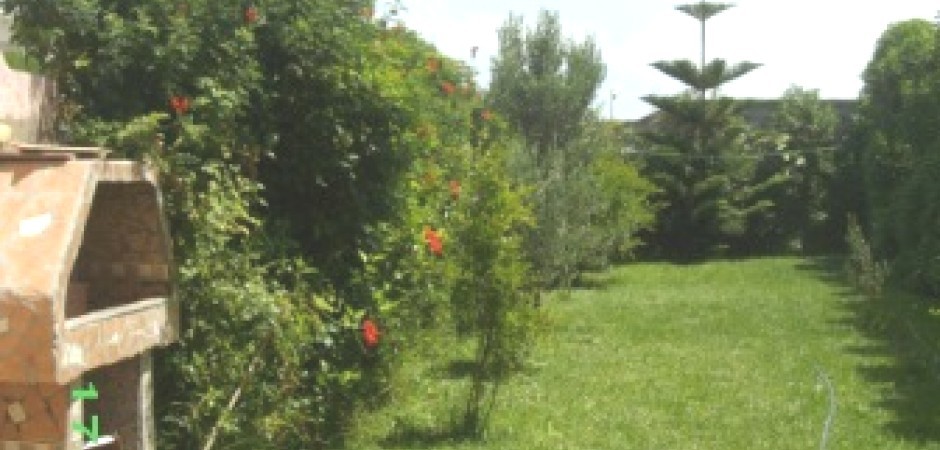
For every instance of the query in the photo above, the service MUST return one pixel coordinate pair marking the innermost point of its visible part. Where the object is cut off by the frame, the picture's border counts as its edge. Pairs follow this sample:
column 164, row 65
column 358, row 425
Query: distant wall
column 25, row 99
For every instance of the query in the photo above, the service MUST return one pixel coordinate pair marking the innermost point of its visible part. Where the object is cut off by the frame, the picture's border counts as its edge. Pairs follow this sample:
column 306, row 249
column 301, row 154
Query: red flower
column 370, row 333
column 251, row 14
column 180, row 104
column 455, row 189
column 448, row 88
column 434, row 241
column 486, row 114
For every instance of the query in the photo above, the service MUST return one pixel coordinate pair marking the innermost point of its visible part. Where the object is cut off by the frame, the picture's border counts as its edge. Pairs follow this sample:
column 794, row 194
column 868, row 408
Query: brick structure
column 85, row 293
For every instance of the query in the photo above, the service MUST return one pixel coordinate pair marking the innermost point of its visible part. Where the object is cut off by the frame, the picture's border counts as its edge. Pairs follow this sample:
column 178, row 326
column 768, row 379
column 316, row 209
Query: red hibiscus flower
column 180, row 104
column 448, row 88
column 370, row 333
column 434, row 241
column 251, row 14
column 455, row 189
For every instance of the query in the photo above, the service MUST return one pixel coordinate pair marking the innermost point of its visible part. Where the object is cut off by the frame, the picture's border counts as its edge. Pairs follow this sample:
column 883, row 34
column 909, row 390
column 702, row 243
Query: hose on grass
column 830, row 417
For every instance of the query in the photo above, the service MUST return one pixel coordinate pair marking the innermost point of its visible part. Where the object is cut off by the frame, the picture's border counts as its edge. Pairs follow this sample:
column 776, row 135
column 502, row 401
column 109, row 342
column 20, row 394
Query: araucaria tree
column 696, row 157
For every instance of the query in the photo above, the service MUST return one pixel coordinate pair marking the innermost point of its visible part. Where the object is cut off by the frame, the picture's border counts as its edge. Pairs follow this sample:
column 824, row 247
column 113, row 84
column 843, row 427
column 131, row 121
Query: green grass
column 719, row 355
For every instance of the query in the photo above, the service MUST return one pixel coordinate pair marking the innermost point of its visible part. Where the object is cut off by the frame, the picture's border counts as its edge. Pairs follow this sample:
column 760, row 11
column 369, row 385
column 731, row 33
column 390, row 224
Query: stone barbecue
column 85, row 294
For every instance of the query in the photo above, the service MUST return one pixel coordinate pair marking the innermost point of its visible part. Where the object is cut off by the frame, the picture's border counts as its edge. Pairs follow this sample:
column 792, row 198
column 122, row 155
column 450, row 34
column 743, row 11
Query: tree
column 703, row 11
column 899, row 127
column 899, row 108
column 809, row 126
column 544, row 85
column 696, row 147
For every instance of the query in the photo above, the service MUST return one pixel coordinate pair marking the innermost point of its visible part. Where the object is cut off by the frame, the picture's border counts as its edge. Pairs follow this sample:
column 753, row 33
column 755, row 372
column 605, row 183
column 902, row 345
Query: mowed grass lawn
column 717, row 355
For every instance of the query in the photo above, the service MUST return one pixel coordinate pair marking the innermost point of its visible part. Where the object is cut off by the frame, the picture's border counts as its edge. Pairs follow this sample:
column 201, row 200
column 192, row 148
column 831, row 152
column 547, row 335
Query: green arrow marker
column 89, row 393
column 92, row 433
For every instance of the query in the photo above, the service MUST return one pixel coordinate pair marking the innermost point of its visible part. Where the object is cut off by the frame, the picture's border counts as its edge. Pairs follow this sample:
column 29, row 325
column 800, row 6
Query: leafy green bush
column 492, row 294
column 896, row 152
column 303, row 148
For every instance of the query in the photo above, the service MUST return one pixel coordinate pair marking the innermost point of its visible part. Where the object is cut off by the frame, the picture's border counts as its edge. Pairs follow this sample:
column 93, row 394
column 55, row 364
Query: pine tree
column 697, row 142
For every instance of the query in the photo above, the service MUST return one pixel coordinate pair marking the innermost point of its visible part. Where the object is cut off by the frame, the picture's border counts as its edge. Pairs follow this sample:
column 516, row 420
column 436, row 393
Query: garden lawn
column 719, row 355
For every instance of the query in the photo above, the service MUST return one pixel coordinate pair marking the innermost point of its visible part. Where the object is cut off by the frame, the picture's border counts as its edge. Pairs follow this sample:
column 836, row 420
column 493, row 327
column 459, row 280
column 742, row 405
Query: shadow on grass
column 460, row 368
column 412, row 436
column 465, row 369
column 903, row 331
column 594, row 280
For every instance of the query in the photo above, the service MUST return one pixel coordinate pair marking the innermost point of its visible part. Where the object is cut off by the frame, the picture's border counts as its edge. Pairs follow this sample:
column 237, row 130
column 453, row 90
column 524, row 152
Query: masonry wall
column 35, row 413
column 108, row 339
column 25, row 338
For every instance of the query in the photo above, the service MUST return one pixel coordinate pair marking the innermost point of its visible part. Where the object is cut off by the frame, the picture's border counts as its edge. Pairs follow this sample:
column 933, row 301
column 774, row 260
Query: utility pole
column 613, row 97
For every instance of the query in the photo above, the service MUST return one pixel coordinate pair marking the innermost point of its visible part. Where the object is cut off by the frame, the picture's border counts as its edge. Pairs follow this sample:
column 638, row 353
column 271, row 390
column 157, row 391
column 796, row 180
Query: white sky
column 817, row 44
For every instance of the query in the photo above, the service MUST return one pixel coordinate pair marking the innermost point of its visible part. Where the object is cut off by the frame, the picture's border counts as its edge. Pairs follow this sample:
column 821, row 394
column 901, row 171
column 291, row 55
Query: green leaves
column 703, row 10
column 701, row 158
column 714, row 74
column 543, row 84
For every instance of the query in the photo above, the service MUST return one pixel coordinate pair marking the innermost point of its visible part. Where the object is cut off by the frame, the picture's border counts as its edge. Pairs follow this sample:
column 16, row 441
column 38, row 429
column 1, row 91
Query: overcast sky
column 818, row 44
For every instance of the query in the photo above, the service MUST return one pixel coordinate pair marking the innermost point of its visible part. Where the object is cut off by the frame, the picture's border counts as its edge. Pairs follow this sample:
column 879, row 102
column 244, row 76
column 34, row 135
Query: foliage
column 302, row 147
column 623, row 195
column 543, row 86
column 697, row 159
column 897, row 143
column 865, row 273
column 492, row 294
column 804, row 132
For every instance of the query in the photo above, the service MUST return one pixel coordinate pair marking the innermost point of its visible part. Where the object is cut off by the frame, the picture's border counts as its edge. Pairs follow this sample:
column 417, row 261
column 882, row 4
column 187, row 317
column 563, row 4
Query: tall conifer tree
column 698, row 144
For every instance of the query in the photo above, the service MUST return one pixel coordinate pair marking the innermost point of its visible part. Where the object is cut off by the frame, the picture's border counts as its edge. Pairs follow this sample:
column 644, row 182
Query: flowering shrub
column 370, row 333
column 434, row 240
column 299, row 166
